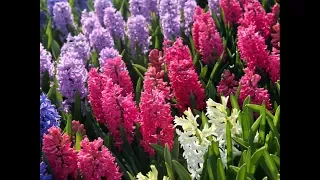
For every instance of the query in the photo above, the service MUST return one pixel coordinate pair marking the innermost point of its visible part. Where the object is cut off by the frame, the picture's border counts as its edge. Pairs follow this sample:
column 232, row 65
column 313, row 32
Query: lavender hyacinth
column 138, row 34
column 51, row 3
column 105, row 54
column 188, row 11
column 89, row 22
column 78, row 44
column 62, row 17
column 71, row 76
column 181, row 4
column 170, row 18
column 140, row 7
column 100, row 38
column 48, row 115
column 153, row 6
column 45, row 63
column 43, row 172
column 114, row 22
column 214, row 6
column 100, row 6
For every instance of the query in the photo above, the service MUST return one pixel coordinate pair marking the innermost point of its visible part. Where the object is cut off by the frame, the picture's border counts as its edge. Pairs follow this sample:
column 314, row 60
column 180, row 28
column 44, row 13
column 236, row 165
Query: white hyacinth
column 193, row 141
column 152, row 175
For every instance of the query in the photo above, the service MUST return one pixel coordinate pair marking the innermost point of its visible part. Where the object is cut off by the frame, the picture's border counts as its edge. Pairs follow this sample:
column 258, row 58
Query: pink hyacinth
column 61, row 156
column 249, row 86
column 95, row 161
column 155, row 59
column 274, row 15
column 227, row 84
column 252, row 48
column 156, row 120
column 95, row 87
column 274, row 67
column 206, row 38
column 275, row 35
column 183, row 78
column 118, row 109
column 117, row 70
column 232, row 10
column 77, row 127
column 256, row 16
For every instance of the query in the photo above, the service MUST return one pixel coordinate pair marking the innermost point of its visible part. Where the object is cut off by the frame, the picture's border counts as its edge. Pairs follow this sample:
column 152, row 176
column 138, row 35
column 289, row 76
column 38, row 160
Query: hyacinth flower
column 188, row 12
column 78, row 44
column 156, row 59
column 206, row 38
column 138, row 34
column 232, row 10
column 49, row 115
column 46, row 63
column 155, row 116
column 51, row 3
column 63, row 18
column 89, row 22
column 141, row 7
column 100, row 38
column 114, row 22
column 249, row 87
column 254, row 15
column 214, row 6
column 95, row 161
column 183, row 78
column 71, row 76
column 275, row 38
column 60, row 155
column 151, row 175
column 252, row 48
column 105, row 54
column 99, row 7
column 77, row 127
column 169, row 18
column 43, row 172
column 189, row 138
column 227, row 84
column 218, row 117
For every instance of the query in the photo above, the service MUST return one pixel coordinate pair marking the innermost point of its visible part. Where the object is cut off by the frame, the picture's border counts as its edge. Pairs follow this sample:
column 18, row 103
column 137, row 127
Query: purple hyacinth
column 153, row 6
column 100, row 38
column 43, row 19
column 170, row 18
column 78, row 44
column 89, row 22
column 114, row 22
column 45, row 63
column 105, row 54
column 138, row 34
column 140, row 7
column 214, row 6
column 188, row 11
column 100, row 6
column 51, row 3
column 62, row 17
column 43, row 172
column 181, row 4
column 71, row 76
column 49, row 115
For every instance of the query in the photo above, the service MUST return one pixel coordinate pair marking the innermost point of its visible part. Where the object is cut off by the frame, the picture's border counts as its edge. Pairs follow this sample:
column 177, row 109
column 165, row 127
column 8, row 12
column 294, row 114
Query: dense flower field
column 159, row 89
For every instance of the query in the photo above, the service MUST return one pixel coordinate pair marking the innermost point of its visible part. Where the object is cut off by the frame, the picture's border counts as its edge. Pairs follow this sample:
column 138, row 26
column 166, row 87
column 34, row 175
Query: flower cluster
column 170, row 18
column 46, row 63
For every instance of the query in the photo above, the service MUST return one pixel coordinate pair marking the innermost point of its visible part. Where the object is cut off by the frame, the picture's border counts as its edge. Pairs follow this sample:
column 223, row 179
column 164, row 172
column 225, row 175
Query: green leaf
column 209, row 169
column 49, row 33
column 271, row 165
column 204, row 118
column 211, row 91
column 193, row 50
column 215, row 18
column 138, row 90
column 243, row 158
column 141, row 68
column 254, row 159
column 204, row 72
column 94, row 57
column 159, row 149
column 157, row 43
column 273, row 128
column 238, row 91
column 122, row 53
column 276, row 159
column 248, row 159
column 130, row 176
column 137, row 71
column 234, row 101
column 175, row 149
column 221, row 174
column 193, row 101
column 167, row 158
column 241, row 142
column 181, row 171
column 55, row 49
column 45, row 81
column 257, row 108
column 235, row 169
column 276, row 118
column 278, row 87
column 242, row 174
column 78, row 140
column 77, row 115
column 262, row 128
column 196, row 58
column 229, row 144
column 69, row 126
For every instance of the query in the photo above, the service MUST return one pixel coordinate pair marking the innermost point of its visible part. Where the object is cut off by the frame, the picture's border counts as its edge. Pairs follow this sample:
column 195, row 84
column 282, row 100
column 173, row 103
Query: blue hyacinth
column 48, row 115
column 43, row 172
